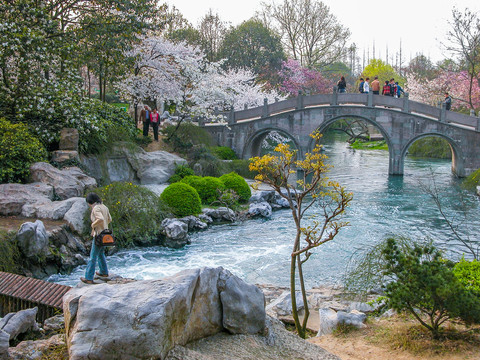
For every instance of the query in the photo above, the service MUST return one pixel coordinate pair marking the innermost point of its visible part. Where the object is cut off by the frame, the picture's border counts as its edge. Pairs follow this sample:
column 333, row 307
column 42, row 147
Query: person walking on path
column 360, row 85
column 342, row 85
column 447, row 101
column 376, row 86
column 366, row 86
column 100, row 217
column 145, row 118
column 155, row 121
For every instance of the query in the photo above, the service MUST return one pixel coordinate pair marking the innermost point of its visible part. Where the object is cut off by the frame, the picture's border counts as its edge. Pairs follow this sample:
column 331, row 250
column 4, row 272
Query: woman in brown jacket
column 100, row 217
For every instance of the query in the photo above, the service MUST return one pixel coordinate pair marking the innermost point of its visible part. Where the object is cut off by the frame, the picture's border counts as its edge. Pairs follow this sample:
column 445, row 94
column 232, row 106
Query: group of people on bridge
column 390, row 88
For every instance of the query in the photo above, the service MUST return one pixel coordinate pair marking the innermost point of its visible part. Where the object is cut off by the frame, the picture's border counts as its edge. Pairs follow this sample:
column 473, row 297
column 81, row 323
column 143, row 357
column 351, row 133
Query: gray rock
column 260, row 209
column 54, row 323
column 205, row 218
column 4, row 344
column 328, row 321
column 354, row 317
column 193, row 223
column 60, row 156
column 119, row 169
column 33, row 239
column 66, row 184
column 277, row 344
column 75, row 215
column 282, row 306
column 220, row 214
column 17, row 323
column 176, row 232
column 69, row 139
column 243, row 305
column 281, row 202
column 35, row 349
column 88, row 182
column 262, row 196
column 14, row 196
column 142, row 319
column 53, row 210
column 360, row 306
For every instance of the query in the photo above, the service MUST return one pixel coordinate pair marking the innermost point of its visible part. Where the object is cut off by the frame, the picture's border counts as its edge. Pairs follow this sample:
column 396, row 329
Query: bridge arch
column 254, row 142
column 458, row 163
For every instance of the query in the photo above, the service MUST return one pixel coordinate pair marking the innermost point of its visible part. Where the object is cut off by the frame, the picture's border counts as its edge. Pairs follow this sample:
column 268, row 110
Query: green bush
column 224, row 153
column 187, row 136
column 468, row 273
column 238, row 184
column 9, row 252
column 421, row 279
column 241, row 167
column 180, row 172
column 136, row 212
column 208, row 188
column 472, row 181
column 18, row 150
column 431, row 147
column 182, row 199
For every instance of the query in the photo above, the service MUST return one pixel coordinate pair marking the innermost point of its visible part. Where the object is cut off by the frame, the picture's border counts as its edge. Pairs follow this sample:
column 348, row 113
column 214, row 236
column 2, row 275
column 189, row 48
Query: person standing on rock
column 100, row 217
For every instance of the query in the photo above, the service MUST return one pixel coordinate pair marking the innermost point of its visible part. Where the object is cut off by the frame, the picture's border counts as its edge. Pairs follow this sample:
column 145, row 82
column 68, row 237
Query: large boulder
column 75, row 215
column 17, row 323
column 33, row 239
column 14, row 196
column 66, row 183
column 46, row 209
column 146, row 319
column 4, row 344
column 154, row 167
column 329, row 320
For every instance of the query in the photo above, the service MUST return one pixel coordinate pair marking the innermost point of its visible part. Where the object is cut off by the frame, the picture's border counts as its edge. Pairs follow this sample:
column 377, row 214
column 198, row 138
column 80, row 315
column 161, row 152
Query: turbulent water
column 258, row 250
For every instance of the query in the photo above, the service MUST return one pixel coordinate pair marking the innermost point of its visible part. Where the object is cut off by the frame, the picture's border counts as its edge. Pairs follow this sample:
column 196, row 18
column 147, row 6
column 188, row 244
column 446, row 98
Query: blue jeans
column 97, row 252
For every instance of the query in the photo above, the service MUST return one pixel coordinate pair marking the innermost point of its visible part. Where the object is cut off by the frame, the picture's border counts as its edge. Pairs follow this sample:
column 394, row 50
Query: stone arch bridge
column 400, row 121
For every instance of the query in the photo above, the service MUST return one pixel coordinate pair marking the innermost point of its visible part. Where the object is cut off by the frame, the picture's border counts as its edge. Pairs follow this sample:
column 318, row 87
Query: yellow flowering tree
column 313, row 188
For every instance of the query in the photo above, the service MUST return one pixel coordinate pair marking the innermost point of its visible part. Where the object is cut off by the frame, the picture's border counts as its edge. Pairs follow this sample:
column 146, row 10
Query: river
column 258, row 250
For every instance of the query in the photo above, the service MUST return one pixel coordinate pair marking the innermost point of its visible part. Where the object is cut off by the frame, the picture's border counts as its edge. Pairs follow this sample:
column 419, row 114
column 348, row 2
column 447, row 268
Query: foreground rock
column 35, row 349
column 14, row 196
column 277, row 344
column 146, row 319
column 17, row 323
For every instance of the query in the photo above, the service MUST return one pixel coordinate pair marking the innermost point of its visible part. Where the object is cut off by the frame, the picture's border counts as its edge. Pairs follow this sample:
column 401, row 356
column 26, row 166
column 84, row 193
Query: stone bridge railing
column 344, row 99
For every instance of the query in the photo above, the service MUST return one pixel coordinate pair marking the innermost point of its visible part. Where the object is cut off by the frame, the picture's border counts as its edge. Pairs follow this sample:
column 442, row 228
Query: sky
column 420, row 25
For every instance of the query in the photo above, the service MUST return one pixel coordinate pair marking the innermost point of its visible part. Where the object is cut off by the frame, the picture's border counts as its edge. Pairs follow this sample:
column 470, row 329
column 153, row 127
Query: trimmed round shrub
column 136, row 212
column 18, row 150
column 207, row 187
column 180, row 172
column 238, row 184
column 194, row 181
column 182, row 199
column 224, row 153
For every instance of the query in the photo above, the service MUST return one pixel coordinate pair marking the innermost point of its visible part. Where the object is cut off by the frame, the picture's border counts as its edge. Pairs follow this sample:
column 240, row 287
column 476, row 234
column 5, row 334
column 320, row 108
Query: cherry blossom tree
column 180, row 73
column 294, row 78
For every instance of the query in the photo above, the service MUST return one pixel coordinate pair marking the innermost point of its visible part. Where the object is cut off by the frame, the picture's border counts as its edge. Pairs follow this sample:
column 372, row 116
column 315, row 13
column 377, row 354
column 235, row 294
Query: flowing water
column 259, row 250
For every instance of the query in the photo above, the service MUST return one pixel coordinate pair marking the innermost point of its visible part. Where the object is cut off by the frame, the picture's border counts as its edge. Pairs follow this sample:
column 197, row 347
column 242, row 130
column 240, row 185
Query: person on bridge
column 386, row 89
column 360, row 85
column 366, row 86
column 393, row 87
column 100, row 217
column 399, row 90
column 376, row 86
column 342, row 85
column 447, row 101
